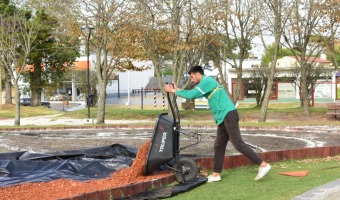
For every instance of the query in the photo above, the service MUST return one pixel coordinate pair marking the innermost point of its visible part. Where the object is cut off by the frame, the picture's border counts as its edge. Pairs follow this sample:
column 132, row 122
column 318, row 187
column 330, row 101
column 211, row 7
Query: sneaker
column 213, row 178
column 262, row 172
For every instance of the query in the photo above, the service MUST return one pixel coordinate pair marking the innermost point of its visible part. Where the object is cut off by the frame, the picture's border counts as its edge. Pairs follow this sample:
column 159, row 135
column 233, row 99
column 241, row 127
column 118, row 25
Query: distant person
column 226, row 118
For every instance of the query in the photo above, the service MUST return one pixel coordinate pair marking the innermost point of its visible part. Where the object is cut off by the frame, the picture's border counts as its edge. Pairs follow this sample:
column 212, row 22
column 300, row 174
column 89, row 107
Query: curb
column 124, row 191
column 272, row 156
column 148, row 126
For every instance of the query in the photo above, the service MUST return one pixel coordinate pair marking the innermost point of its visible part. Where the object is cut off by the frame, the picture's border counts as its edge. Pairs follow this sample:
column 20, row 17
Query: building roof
column 312, row 59
column 80, row 65
column 153, row 82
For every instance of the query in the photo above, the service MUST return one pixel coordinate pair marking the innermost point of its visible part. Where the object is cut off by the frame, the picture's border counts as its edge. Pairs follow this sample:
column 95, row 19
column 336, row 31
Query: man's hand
column 169, row 88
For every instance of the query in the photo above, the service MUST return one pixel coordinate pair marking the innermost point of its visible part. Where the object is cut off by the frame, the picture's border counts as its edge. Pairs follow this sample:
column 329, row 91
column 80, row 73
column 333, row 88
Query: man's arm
column 188, row 94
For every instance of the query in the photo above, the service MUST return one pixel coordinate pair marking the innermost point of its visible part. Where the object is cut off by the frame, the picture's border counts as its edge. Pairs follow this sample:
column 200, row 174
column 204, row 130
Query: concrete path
column 329, row 191
column 50, row 120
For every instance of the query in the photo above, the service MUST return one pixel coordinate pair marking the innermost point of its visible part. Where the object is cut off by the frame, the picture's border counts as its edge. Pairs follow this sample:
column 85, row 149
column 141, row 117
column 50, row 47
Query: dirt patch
column 286, row 117
column 261, row 140
column 63, row 188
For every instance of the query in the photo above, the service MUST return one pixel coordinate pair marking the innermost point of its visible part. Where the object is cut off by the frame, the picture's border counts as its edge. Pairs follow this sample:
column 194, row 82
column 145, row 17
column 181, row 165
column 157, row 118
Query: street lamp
column 87, row 32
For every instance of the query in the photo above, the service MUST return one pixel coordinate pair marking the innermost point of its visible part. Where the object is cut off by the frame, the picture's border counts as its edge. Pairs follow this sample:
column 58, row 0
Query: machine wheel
column 189, row 169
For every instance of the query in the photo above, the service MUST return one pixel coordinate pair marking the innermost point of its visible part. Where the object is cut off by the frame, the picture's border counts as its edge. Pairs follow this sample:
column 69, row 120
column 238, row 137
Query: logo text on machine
column 161, row 148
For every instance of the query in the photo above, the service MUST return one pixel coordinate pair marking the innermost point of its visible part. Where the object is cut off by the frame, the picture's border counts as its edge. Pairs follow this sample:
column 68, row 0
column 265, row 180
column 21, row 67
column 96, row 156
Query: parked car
column 45, row 103
column 27, row 102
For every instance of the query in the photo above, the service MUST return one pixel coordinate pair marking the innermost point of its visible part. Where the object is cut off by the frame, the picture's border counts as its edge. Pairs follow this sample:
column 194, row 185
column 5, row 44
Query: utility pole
column 87, row 32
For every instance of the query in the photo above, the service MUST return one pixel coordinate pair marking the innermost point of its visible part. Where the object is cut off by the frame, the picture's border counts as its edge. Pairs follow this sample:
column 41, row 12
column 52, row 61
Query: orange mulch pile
column 64, row 188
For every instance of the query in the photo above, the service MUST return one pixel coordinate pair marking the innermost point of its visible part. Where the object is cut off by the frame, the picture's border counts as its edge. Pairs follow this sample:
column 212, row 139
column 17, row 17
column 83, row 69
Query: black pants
column 230, row 130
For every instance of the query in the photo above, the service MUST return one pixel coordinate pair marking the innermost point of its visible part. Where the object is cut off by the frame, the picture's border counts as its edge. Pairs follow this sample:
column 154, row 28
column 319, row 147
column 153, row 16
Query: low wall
column 124, row 191
column 272, row 156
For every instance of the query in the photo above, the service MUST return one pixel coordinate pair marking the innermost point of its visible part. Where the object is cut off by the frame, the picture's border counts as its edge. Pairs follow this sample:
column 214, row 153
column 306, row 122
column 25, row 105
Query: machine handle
column 174, row 109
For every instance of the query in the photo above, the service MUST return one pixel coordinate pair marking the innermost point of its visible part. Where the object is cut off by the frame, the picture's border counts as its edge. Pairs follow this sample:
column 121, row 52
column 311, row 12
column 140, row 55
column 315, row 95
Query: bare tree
column 17, row 36
column 306, row 23
column 66, row 12
column 113, row 41
column 273, row 22
column 331, row 9
column 239, row 26
column 316, row 71
column 8, row 84
column 171, row 30
column 215, row 46
column 259, row 79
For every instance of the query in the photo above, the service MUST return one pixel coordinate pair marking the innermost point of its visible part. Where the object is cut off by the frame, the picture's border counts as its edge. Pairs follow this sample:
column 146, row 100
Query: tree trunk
column 17, row 105
column 187, row 104
column 102, row 76
column 35, row 98
column 223, row 80
column 238, row 85
column 304, row 92
column 101, row 101
column 8, row 88
column 264, row 89
column 36, row 84
column 276, row 8
column 265, row 103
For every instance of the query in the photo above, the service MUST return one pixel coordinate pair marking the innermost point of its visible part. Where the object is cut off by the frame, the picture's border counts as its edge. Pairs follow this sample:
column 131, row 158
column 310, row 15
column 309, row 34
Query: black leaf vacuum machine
column 165, row 148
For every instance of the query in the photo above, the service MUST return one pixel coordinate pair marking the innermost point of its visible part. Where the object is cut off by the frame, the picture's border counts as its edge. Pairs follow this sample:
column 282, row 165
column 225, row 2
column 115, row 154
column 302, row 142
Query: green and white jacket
column 218, row 99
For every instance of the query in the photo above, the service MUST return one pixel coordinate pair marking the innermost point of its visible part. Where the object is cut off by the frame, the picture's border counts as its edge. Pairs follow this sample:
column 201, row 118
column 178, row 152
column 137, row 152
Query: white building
column 128, row 80
column 248, row 67
column 285, row 86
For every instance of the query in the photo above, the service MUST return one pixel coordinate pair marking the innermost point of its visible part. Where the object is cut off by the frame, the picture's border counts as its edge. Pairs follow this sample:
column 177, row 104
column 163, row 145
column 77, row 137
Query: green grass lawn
column 204, row 117
column 192, row 117
column 121, row 112
column 239, row 184
column 8, row 111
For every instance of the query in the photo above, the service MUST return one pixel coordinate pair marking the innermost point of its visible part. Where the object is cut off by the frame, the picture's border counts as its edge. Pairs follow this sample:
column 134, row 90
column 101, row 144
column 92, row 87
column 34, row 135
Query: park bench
column 333, row 109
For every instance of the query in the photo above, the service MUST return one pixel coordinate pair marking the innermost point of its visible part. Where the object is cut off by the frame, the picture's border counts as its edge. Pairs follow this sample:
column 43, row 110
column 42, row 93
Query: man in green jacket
column 226, row 118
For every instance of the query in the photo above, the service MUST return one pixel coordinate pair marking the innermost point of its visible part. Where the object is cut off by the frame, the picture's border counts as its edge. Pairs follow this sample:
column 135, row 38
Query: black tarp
column 81, row 165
